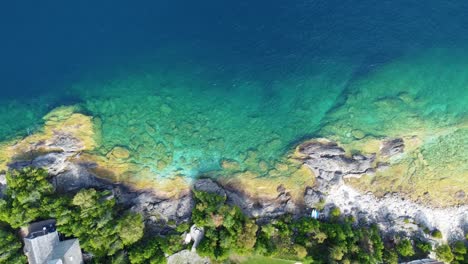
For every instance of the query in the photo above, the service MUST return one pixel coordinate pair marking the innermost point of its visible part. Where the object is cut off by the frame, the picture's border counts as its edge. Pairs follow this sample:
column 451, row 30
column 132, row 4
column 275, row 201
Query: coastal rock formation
column 331, row 164
column 187, row 256
column 263, row 209
column 61, row 152
column 391, row 147
column 398, row 216
column 159, row 211
column 329, row 161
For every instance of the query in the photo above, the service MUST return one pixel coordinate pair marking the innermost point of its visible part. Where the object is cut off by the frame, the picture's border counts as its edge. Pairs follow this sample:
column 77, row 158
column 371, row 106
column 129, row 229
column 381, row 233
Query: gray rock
column 76, row 177
column 65, row 142
column 329, row 162
column 187, row 257
column 391, row 147
column 175, row 209
column 54, row 163
column 208, row 185
column 460, row 195
column 312, row 197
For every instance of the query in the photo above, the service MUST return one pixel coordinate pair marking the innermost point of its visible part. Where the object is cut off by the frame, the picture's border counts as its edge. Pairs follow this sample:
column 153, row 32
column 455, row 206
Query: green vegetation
column 227, row 230
column 444, row 253
column 460, row 252
column 117, row 236
column 10, row 247
column 147, row 251
column 266, row 260
column 90, row 215
column 424, row 247
column 436, row 234
column 405, row 248
column 28, row 192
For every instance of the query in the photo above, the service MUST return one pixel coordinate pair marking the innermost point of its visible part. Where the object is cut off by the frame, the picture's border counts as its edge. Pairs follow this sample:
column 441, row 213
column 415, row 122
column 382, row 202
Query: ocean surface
column 185, row 85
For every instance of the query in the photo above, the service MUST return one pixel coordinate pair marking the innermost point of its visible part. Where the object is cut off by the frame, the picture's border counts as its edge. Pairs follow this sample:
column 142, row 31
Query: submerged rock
column 391, row 147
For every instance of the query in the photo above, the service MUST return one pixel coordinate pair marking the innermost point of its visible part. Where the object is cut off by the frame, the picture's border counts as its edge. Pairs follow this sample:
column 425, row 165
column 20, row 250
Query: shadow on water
column 367, row 66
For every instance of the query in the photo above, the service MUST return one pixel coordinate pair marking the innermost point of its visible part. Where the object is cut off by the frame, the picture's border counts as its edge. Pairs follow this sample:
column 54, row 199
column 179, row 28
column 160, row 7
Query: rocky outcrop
column 55, row 155
column 398, row 216
column 391, row 147
column 261, row 209
column 187, row 256
column 158, row 211
column 331, row 164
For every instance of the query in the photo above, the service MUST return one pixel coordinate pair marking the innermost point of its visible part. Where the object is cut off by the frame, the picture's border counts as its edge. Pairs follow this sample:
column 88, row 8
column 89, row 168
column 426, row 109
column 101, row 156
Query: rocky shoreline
column 329, row 162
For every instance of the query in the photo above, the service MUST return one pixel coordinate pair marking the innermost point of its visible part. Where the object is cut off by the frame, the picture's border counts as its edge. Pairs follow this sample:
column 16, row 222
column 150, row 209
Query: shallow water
column 185, row 86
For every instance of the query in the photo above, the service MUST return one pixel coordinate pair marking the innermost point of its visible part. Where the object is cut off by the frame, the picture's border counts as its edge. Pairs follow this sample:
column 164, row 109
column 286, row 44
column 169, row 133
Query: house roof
column 40, row 228
column 38, row 248
column 65, row 247
column 42, row 245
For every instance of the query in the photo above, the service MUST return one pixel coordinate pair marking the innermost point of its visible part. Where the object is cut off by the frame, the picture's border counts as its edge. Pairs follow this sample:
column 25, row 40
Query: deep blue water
column 48, row 46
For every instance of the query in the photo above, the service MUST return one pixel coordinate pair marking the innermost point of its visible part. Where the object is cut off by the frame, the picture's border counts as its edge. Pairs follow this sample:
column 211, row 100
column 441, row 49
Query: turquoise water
column 184, row 85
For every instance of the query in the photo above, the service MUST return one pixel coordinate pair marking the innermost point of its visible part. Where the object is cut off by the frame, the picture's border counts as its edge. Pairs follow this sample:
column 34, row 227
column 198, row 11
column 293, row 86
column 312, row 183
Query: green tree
column 93, row 218
column 437, row 234
column 405, row 248
column 227, row 230
column 147, row 251
column 130, row 228
column 424, row 247
column 27, row 192
column 10, row 247
column 335, row 213
column 336, row 253
column 459, row 251
column 390, row 256
column 444, row 253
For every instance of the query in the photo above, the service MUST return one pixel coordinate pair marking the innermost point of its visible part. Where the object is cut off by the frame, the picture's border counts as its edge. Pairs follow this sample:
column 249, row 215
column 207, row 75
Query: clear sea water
column 186, row 84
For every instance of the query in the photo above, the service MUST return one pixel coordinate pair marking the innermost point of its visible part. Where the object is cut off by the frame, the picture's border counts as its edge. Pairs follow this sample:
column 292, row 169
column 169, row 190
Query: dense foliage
column 92, row 217
column 11, row 249
column 27, row 195
column 89, row 215
column 147, row 251
column 227, row 230
column 319, row 242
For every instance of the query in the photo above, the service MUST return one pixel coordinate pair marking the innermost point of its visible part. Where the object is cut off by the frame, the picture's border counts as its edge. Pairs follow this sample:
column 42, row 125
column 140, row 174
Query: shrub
column 404, row 248
column 335, row 212
column 10, row 247
column 148, row 251
column 425, row 247
column 390, row 257
column 459, row 250
column 28, row 191
column 444, row 253
column 437, row 234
